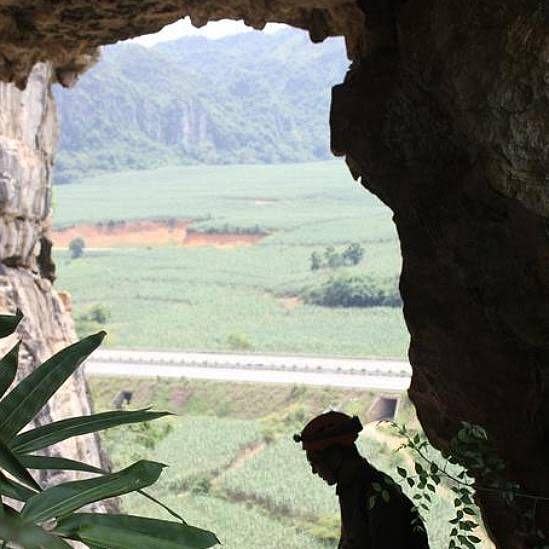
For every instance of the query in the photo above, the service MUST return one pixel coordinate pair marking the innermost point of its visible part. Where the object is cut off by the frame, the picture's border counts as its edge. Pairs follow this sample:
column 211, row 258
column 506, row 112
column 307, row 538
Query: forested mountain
column 249, row 98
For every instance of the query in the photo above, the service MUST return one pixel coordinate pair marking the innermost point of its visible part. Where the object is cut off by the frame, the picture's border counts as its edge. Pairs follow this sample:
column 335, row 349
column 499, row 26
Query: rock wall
column 445, row 119
column 28, row 135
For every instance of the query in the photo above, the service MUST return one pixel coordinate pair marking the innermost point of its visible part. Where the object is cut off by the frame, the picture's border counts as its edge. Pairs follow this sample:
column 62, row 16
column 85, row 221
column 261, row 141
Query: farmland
column 233, row 466
column 207, row 297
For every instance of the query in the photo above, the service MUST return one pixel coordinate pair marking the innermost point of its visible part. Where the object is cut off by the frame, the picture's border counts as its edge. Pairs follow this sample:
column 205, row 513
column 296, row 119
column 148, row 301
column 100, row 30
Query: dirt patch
column 131, row 234
column 290, row 303
column 221, row 240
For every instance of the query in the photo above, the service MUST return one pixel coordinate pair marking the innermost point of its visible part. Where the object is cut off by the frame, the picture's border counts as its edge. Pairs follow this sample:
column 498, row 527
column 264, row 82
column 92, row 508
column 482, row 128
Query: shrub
column 98, row 313
column 91, row 319
column 353, row 254
column 331, row 258
column 353, row 291
column 76, row 247
column 50, row 516
column 316, row 261
column 239, row 342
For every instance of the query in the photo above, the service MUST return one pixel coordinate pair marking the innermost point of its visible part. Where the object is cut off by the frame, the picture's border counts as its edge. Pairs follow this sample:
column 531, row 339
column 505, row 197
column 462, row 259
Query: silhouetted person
column 369, row 518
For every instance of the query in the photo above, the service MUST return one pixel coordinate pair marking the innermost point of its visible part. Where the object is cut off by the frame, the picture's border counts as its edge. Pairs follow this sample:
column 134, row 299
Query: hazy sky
column 215, row 29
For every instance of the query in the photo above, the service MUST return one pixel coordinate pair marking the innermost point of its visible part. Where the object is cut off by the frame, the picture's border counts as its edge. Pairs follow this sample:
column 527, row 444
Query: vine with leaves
column 471, row 465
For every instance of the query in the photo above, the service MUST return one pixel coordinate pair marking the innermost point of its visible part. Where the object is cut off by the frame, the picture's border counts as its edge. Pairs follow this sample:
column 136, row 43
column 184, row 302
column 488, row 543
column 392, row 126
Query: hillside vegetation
column 249, row 98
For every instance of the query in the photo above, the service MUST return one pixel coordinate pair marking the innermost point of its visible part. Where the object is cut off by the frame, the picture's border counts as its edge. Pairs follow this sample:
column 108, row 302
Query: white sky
column 215, row 29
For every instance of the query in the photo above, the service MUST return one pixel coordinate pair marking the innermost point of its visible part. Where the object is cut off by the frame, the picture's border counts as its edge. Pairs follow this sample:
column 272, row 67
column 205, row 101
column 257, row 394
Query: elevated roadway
column 375, row 374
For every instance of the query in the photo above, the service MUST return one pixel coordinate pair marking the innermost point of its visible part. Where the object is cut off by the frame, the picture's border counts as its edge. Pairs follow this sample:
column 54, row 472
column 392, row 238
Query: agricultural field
column 233, row 466
column 219, row 258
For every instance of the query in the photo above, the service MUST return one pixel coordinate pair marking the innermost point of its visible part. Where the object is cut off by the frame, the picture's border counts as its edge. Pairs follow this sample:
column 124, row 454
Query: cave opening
column 442, row 116
column 199, row 243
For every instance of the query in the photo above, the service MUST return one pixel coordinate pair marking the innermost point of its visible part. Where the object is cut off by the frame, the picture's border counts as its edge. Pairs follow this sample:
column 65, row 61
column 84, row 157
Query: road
column 385, row 375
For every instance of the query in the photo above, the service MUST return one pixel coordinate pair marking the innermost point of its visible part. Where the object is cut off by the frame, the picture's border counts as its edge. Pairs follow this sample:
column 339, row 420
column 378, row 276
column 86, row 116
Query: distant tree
column 353, row 254
column 76, row 247
column 333, row 258
column 99, row 314
column 316, row 261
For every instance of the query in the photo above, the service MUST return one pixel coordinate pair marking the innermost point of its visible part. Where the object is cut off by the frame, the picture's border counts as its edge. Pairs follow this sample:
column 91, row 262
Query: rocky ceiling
column 443, row 115
column 67, row 33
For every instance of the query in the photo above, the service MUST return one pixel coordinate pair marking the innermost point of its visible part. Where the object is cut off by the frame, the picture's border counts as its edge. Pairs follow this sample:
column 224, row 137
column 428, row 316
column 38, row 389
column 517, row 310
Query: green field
column 206, row 298
column 233, row 467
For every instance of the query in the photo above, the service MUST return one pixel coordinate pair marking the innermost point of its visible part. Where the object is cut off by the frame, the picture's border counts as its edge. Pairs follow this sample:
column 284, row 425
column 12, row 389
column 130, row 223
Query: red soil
column 148, row 233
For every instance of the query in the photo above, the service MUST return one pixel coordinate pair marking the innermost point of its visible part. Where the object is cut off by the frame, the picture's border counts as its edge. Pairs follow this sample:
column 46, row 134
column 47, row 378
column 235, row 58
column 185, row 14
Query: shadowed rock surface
column 444, row 116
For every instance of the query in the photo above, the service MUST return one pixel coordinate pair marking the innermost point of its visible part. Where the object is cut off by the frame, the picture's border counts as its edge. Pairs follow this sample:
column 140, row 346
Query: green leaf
column 8, row 323
column 474, row 539
column 371, row 502
column 402, row 472
column 419, row 469
column 57, row 463
column 376, row 486
column 65, row 498
column 8, row 368
column 10, row 463
column 385, row 495
column 14, row 490
column 30, row 395
column 49, row 434
column 468, row 511
column 129, row 532
column 27, row 535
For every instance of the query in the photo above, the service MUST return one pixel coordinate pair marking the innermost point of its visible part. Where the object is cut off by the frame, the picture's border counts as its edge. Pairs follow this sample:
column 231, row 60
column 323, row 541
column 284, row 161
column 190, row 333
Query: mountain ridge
column 248, row 98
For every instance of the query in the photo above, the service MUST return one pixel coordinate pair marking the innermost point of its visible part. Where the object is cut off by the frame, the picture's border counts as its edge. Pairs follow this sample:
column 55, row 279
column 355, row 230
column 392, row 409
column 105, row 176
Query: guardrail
column 389, row 368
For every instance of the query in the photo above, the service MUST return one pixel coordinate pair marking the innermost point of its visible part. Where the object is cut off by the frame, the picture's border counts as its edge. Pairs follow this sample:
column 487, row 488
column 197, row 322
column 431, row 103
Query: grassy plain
column 209, row 298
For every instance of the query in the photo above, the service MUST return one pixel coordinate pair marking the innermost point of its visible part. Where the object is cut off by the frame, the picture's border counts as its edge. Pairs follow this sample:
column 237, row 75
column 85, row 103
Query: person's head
column 329, row 440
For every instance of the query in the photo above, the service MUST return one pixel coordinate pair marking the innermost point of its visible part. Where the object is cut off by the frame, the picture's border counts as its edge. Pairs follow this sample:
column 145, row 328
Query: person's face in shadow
column 325, row 463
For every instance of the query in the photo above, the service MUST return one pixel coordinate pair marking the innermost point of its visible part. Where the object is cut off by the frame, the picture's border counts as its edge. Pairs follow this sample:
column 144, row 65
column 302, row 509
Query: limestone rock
column 68, row 33
column 28, row 134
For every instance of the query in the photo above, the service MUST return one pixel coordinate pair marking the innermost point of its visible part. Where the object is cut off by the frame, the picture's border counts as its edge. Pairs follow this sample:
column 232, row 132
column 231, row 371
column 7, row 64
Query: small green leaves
column 431, row 472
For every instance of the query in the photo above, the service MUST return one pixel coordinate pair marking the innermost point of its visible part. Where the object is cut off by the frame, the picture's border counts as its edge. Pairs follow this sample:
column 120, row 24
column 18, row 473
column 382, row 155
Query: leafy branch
column 49, row 516
column 471, row 465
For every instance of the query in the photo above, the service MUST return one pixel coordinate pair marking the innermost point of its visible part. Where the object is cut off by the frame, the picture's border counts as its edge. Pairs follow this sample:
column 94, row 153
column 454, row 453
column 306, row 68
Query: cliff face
column 28, row 135
column 199, row 106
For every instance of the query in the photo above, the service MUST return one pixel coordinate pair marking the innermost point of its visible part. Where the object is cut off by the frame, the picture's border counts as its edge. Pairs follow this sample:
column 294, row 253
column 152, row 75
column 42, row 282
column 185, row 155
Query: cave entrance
column 195, row 193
